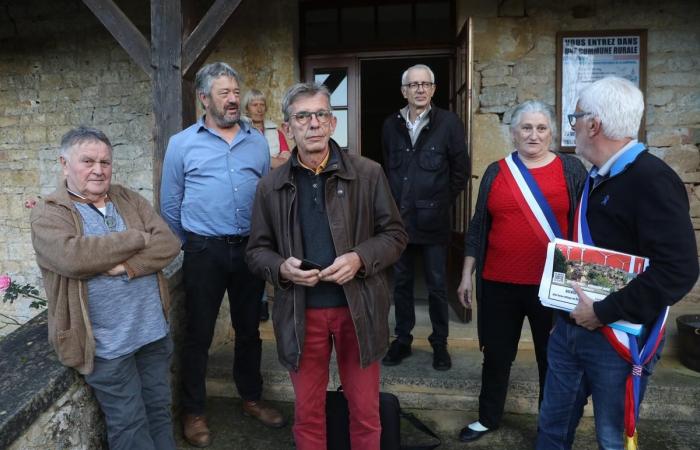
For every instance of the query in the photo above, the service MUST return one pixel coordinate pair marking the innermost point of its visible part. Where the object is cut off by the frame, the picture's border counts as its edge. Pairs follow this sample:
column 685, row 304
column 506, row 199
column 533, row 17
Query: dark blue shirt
column 208, row 186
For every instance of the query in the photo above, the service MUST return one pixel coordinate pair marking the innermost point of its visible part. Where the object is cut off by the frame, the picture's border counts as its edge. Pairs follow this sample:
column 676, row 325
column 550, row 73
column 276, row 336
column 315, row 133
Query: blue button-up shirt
column 208, row 186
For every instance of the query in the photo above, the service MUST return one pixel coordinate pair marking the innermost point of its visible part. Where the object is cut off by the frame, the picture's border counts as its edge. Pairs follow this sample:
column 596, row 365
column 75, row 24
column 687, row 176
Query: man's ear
column 202, row 97
column 594, row 127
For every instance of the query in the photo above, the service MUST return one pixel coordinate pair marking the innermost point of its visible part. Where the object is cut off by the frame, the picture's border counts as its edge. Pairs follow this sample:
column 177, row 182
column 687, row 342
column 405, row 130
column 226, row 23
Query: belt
column 231, row 239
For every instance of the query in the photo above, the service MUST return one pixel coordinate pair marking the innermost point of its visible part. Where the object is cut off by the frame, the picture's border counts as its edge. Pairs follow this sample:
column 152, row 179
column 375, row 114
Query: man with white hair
column 426, row 162
column 633, row 203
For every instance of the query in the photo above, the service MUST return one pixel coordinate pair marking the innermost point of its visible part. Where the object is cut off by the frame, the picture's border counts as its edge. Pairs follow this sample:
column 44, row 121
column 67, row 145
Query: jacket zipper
column 290, row 232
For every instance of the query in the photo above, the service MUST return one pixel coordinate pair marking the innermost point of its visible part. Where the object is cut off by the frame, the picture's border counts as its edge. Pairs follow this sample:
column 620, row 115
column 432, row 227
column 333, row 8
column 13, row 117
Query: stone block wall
column 515, row 58
column 59, row 68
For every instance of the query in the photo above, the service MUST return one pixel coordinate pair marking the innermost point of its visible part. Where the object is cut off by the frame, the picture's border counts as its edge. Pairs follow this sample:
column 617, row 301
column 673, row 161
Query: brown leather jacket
column 363, row 218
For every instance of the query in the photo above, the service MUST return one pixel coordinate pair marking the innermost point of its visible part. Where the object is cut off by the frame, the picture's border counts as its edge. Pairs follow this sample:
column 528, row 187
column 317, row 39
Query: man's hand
column 116, row 270
column 343, row 269
column 583, row 314
column 290, row 271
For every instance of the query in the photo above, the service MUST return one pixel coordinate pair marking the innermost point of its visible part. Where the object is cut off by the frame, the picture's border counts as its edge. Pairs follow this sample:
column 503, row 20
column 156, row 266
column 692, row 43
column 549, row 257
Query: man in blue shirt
column 210, row 173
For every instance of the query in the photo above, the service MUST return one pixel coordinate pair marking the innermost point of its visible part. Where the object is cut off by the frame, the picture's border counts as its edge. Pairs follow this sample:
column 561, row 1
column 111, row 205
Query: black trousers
column 435, row 268
column 212, row 267
column 503, row 308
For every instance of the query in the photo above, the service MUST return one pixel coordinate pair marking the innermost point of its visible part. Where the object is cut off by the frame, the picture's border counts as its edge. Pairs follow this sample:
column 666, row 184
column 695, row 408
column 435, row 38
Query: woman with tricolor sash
column 525, row 201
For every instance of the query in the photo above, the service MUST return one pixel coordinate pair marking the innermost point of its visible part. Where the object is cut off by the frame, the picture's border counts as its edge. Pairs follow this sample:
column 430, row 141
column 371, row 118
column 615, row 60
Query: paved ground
column 233, row 431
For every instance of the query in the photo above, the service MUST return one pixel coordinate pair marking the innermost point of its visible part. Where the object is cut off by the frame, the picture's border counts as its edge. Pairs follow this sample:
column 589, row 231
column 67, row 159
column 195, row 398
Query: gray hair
column 617, row 102
column 535, row 106
column 404, row 76
column 81, row 135
column 207, row 74
column 302, row 90
column 251, row 96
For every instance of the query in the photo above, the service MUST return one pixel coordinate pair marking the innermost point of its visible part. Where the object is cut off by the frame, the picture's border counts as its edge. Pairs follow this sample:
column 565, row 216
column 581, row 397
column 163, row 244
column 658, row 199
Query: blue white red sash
column 624, row 344
column 530, row 199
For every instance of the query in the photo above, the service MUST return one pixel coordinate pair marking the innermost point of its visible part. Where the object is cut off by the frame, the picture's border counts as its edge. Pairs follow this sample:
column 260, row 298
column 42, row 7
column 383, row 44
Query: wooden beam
column 124, row 31
column 166, row 42
column 198, row 46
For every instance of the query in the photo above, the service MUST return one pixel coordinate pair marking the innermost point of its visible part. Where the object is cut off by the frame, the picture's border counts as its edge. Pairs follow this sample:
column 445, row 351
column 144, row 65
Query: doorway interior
column 380, row 95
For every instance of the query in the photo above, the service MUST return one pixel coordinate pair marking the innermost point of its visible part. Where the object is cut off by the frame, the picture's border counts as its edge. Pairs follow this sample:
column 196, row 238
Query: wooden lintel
column 124, row 31
column 197, row 46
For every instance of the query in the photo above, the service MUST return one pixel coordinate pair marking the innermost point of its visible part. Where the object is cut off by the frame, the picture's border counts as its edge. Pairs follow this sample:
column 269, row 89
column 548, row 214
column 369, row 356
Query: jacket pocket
column 430, row 216
column 69, row 348
column 431, row 158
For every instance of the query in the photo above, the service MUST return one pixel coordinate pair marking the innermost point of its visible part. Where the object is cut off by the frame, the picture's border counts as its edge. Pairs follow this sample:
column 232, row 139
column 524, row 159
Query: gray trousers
column 134, row 393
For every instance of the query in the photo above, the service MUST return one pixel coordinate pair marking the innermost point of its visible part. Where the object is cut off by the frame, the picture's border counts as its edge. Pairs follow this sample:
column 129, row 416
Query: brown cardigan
column 67, row 259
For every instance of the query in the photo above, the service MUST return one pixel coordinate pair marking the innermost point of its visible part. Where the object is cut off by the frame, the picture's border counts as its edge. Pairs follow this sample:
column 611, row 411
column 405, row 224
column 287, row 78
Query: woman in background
column 255, row 107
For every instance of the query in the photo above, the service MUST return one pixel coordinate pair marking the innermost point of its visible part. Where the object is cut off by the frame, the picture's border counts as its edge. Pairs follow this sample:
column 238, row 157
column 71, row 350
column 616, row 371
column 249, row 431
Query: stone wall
column 515, row 57
column 60, row 68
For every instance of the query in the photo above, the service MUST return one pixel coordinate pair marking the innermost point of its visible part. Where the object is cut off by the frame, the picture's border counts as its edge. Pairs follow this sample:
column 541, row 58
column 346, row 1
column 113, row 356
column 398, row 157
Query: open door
column 462, row 209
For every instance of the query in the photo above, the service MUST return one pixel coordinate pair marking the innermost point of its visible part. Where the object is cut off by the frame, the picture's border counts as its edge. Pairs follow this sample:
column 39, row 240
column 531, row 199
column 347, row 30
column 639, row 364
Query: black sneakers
column 397, row 352
column 441, row 359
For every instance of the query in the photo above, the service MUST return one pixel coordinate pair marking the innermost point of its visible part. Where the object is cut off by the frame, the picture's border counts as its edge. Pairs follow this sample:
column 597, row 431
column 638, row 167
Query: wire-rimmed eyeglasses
column 575, row 116
column 303, row 117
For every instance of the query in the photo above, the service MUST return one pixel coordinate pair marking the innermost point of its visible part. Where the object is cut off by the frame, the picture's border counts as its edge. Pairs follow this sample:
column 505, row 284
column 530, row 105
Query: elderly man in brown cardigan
column 101, row 249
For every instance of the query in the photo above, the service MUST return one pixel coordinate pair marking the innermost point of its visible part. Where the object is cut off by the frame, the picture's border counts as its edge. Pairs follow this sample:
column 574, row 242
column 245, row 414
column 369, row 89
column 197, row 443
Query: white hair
column 617, row 102
column 404, row 76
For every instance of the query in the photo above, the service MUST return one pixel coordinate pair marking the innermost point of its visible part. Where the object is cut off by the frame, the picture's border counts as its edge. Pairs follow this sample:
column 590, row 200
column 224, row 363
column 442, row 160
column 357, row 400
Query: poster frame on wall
column 584, row 57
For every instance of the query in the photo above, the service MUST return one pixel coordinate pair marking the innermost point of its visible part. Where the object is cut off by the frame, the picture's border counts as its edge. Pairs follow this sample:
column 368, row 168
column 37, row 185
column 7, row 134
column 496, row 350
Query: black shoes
column 397, row 352
column 441, row 359
column 469, row 435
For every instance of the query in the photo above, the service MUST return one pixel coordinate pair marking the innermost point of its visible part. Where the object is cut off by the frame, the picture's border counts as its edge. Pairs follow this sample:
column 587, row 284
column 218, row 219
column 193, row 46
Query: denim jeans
column 434, row 267
column 583, row 363
column 134, row 394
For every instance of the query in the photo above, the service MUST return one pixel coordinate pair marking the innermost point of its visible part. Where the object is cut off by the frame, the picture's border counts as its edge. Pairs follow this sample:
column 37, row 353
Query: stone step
column 673, row 393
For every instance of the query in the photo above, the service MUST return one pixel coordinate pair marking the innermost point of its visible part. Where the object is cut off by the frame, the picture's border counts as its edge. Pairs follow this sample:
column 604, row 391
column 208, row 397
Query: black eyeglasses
column 577, row 115
column 304, row 117
column 414, row 86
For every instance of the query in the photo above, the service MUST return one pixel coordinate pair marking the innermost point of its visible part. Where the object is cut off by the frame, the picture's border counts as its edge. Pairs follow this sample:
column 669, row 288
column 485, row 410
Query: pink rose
column 5, row 282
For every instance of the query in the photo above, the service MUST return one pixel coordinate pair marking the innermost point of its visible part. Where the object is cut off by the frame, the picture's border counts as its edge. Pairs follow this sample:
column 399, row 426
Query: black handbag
column 390, row 415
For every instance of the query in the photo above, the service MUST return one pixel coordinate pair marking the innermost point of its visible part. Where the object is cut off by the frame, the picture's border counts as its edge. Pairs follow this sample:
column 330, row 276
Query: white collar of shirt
column 411, row 125
column 605, row 168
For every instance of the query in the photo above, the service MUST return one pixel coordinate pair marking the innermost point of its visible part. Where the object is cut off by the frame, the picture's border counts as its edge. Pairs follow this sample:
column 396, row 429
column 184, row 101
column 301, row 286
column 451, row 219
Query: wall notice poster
column 584, row 57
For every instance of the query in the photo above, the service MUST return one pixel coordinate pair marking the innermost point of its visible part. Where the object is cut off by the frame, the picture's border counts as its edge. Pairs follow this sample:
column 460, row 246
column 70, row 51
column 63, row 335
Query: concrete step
column 673, row 393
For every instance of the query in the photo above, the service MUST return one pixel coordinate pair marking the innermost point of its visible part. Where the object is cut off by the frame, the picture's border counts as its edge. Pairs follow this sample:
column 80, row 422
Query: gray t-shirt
column 125, row 314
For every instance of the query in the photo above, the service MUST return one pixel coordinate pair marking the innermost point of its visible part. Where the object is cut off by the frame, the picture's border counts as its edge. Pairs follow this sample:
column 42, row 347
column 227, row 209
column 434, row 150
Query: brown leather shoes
column 196, row 430
column 266, row 414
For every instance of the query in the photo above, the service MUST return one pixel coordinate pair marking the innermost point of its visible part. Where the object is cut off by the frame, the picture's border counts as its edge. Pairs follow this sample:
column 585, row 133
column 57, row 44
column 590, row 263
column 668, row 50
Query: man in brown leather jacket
column 335, row 211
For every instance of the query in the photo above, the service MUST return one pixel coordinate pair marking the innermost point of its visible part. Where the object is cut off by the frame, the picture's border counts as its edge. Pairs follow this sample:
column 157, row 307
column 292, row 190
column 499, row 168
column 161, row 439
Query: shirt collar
column 405, row 112
column 605, row 168
column 330, row 158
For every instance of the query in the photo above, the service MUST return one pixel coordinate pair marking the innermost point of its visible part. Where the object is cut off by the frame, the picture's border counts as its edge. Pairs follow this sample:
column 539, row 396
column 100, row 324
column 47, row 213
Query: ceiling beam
column 199, row 43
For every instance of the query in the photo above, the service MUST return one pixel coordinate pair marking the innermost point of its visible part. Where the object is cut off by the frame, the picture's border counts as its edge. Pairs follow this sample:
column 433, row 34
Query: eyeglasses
column 414, row 86
column 304, row 117
column 577, row 115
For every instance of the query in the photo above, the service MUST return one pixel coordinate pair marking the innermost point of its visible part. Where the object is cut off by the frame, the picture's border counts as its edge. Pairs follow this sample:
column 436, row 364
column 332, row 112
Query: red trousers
column 326, row 328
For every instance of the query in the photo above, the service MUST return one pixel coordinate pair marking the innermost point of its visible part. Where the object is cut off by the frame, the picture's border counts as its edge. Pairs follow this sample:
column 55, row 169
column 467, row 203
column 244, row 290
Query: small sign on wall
column 586, row 56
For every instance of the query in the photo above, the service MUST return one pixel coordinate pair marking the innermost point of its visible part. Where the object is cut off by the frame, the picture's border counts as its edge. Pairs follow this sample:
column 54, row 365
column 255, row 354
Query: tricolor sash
column 624, row 344
column 530, row 199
